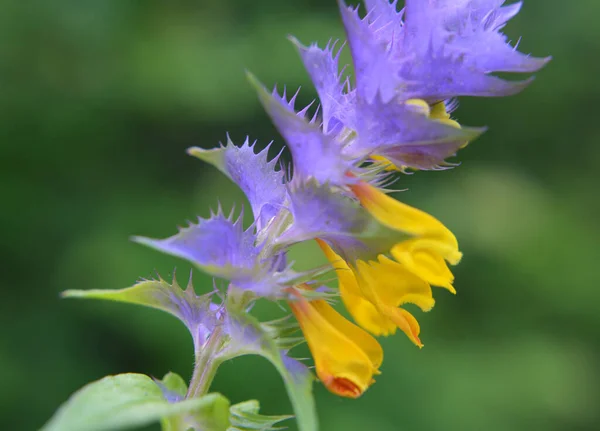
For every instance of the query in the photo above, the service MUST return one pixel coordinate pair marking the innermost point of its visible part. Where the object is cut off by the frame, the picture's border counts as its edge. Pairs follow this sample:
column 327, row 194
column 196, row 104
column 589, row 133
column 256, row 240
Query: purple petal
column 320, row 211
column 454, row 46
column 385, row 16
column 405, row 135
column 371, row 54
column 315, row 154
column 218, row 245
column 258, row 177
column 443, row 49
column 322, row 66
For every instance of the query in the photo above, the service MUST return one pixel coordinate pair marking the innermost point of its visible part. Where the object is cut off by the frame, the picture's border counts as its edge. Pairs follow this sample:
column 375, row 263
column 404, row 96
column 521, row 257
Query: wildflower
column 373, row 291
column 434, row 50
column 346, row 357
column 431, row 245
column 256, row 176
column 410, row 66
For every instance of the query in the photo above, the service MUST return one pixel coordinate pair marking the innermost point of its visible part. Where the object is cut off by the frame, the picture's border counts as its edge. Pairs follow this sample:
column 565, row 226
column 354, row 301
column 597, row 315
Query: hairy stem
column 206, row 365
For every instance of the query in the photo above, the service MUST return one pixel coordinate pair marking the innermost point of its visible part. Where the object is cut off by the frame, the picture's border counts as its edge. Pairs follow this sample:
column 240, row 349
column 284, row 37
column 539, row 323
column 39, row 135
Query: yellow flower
column 438, row 112
column 346, row 357
column 373, row 291
column 431, row 245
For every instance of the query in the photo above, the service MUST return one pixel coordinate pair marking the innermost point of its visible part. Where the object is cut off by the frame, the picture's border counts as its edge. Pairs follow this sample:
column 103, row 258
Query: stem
column 205, row 366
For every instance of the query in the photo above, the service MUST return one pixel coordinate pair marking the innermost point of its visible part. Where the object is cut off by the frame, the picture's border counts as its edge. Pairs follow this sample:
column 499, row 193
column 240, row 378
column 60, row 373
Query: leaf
column 245, row 417
column 193, row 310
column 127, row 401
column 173, row 382
column 248, row 337
column 173, row 387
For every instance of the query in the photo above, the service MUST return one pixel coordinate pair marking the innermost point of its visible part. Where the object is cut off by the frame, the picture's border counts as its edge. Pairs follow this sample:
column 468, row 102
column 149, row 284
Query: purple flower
column 442, row 49
column 258, row 177
column 337, row 102
column 406, row 135
column 222, row 248
column 322, row 211
column 316, row 153
column 219, row 245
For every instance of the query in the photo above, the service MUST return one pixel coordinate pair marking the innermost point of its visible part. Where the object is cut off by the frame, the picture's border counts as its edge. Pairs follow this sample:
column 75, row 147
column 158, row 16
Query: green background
column 100, row 99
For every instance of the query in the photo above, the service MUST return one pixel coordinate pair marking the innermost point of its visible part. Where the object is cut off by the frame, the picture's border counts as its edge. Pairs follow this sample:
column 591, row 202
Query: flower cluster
column 410, row 65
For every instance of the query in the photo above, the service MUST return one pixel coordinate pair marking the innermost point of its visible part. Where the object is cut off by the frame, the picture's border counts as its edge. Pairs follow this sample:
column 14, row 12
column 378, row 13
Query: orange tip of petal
column 343, row 387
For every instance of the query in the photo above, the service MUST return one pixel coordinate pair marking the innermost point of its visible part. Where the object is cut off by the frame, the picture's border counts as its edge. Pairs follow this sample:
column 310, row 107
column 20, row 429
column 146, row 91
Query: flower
column 431, row 244
column 256, row 176
column 221, row 247
column 434, row 50
column 346, row 357
column 373, row 291
column 410, row 66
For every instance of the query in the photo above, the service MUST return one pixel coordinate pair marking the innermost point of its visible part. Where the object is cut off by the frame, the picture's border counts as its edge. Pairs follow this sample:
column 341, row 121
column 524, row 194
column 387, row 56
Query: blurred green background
column 100, row 99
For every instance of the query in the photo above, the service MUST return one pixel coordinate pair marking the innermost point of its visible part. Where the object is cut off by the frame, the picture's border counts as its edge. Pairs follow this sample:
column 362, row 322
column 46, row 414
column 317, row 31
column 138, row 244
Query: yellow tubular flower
column 439, row 113
column 432, row 245
column 346, row 357
column 373, row 291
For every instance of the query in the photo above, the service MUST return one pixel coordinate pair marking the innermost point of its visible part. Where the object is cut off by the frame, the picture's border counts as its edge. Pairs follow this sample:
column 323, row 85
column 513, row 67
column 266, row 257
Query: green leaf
column 248, row 337
column 211, row 417
column 174, row 382
column 127, row 401
column 214, row 156
column 193, row 310
column 245, row 417
column 157, row 294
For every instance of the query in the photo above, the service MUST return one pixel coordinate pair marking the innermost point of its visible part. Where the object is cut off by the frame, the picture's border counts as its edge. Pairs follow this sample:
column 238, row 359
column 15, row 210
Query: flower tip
column 454, row 258
column 343, row 387
column 143, row 240
column 194, row 151
column 296, row 42
column 251, row 77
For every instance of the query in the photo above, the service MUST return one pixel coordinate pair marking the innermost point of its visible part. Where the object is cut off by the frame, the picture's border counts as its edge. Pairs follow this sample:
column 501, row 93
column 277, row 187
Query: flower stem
column 206, row 365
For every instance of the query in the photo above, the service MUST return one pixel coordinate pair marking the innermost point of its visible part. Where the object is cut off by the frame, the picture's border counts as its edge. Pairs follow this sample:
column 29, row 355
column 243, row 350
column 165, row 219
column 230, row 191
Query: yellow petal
column 400, row 216
column 393, row 285
column 433, row 243
column 407, row 323
column 425, row 261
column 362, row 310
column 346, row 357
column 439, row 113
column 373, row 291
column 361, row 338
column 389, row 166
